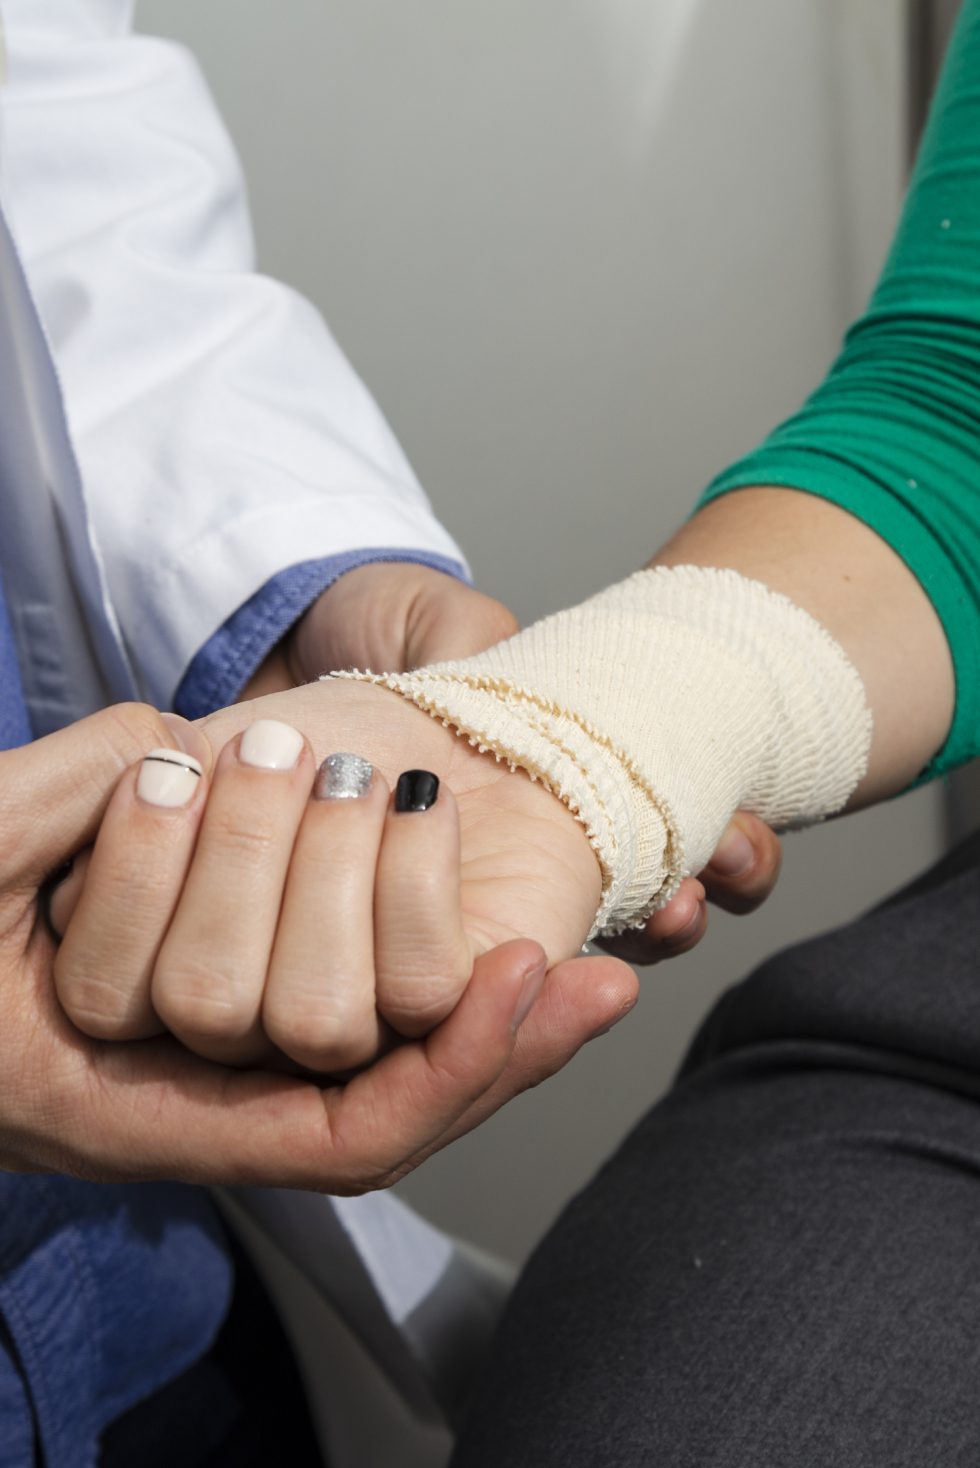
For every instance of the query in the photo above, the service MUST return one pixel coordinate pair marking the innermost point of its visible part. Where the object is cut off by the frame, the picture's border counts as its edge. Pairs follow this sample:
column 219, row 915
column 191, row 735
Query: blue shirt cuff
column 227, row 660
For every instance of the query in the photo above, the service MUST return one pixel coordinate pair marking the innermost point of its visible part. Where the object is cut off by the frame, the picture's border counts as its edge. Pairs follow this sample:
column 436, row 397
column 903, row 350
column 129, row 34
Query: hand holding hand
column 134, row 1111
column 247, row 915
column 255, row 921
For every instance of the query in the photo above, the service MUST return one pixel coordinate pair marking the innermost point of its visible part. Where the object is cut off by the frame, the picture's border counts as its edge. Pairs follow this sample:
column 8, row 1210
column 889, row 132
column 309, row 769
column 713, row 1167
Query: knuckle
column 99, row 1007
column 420, row 981
column 430, row 963
column 414, row 1010
column 297, row 1022
column 247, row 842
column 97, row 1023
column 315, row 1034
column 200, row 1002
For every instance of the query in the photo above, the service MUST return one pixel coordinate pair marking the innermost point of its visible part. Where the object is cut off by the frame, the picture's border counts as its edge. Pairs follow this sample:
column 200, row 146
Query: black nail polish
column 416, row 790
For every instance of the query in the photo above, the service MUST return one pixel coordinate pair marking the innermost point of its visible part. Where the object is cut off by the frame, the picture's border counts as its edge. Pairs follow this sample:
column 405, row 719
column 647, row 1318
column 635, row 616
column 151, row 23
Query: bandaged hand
column 397, row 616
column 657, row 709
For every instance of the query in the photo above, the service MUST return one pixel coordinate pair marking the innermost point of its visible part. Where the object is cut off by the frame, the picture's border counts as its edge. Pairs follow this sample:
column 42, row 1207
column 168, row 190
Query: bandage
column 655, row 710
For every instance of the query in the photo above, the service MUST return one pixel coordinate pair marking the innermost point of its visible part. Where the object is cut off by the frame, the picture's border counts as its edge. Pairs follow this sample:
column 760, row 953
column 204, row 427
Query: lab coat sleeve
column 221, row 435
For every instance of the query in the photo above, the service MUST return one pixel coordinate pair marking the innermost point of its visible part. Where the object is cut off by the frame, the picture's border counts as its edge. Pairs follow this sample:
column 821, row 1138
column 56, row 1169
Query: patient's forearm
column 891, row 437
column 833, row 566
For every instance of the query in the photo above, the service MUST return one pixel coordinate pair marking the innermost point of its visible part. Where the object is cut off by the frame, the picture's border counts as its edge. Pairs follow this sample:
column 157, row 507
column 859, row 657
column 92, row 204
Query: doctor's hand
column 150, row 1109
column 389, row 616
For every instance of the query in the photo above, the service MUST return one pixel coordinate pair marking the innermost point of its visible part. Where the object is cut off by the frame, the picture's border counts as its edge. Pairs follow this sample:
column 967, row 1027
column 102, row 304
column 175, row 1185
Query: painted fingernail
column 168, row 777
column 735, row 854
column 530, row 989
column 343, row 777
column 269, row 745
column 416, row 790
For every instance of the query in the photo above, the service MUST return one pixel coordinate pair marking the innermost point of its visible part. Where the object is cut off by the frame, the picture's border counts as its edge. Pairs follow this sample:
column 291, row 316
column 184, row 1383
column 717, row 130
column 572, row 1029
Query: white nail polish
column 269, row 745
column 168, row 777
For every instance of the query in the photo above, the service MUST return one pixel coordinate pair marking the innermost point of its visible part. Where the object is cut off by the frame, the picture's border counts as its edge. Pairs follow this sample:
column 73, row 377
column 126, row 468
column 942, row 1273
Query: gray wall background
column 584, row 251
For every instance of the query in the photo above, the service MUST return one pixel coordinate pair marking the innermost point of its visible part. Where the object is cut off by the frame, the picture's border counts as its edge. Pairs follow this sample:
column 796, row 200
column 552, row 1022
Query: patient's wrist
column 657, row 708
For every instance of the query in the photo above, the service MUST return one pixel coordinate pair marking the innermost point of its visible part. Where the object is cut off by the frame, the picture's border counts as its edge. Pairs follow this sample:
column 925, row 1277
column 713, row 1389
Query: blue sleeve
column 227, row 660
column 14, row 725
column 107, row 1293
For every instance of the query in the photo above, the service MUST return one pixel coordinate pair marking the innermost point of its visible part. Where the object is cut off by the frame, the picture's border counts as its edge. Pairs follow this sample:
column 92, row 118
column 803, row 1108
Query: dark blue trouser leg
column 780, row 1268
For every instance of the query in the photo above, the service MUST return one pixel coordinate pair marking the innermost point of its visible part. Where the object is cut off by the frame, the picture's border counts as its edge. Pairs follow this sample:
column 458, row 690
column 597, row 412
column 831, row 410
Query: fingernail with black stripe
column 168, row 777
column 416, row 790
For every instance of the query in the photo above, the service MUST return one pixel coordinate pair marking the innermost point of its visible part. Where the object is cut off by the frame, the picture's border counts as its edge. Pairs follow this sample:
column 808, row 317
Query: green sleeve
column 893, row 434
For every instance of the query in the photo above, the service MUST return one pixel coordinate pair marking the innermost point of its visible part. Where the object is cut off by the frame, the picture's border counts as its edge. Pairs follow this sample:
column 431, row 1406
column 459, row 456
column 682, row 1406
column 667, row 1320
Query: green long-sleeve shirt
column 893, row 434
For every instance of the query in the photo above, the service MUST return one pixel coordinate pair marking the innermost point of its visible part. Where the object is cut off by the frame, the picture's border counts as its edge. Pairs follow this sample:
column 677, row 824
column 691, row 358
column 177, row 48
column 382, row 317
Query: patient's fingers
column 118, row 902
column 423, row 957
column 667, row 933
column 210, row 973
column 319, row 1002
column 260, row 917
column 745, row 867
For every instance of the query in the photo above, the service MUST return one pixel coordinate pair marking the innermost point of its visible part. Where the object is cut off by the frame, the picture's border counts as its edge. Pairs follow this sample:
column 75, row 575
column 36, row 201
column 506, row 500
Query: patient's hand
column 253, row 915
column 397, row 616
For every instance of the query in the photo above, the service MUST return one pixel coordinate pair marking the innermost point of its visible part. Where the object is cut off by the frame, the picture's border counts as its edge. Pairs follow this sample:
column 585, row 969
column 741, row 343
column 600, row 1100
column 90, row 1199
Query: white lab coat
column 174, row 430
column 219, row 433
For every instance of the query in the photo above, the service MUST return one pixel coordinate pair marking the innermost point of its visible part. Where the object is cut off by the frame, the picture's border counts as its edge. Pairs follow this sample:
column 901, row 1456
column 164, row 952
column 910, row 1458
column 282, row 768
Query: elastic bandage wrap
column 655, row 710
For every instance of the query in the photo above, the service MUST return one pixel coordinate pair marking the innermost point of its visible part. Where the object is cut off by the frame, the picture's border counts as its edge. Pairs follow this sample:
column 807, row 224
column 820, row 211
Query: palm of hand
column 527, row 869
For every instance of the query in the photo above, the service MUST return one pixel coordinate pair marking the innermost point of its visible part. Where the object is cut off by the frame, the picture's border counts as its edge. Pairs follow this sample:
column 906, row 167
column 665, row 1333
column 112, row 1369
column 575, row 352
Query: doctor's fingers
column 156, row 1111
column 580, row 1000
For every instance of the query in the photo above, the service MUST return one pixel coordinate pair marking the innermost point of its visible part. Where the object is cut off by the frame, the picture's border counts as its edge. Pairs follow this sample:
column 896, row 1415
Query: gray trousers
column 780, row 1268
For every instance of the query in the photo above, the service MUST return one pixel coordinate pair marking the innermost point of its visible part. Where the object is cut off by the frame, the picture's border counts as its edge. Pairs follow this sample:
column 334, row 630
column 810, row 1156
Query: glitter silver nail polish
column 343, row 777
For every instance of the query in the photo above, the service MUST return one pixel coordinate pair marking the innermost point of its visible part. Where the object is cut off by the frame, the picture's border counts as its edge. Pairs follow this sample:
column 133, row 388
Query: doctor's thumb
column 53, row 792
